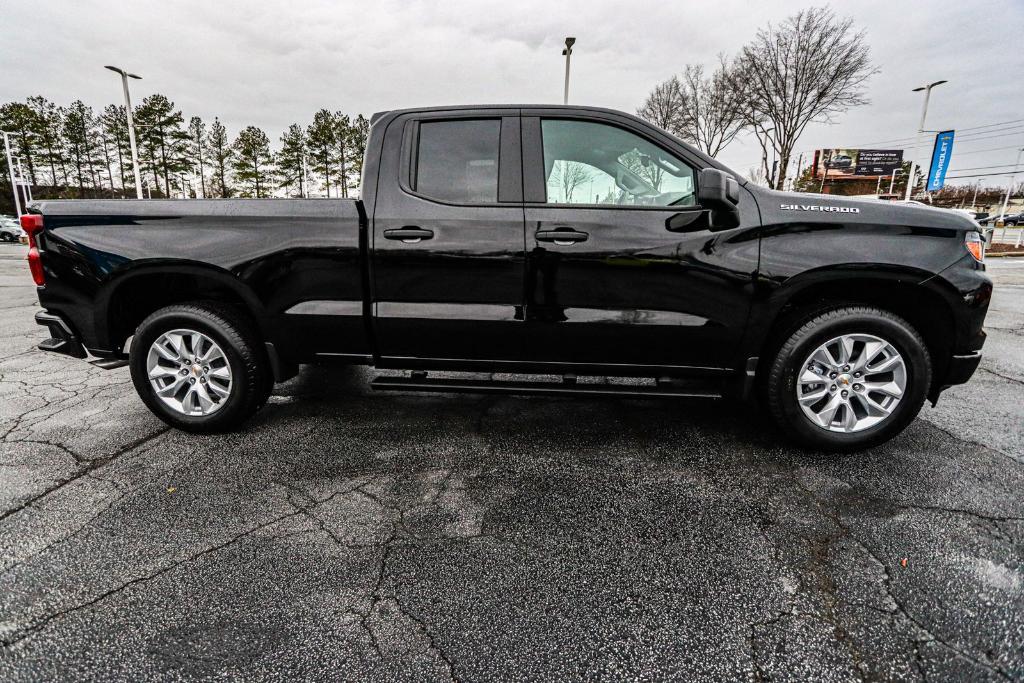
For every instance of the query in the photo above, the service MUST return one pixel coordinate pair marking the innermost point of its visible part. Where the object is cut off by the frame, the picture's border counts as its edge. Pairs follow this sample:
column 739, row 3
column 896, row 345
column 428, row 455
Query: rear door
column 622, row 269
column 448, row 242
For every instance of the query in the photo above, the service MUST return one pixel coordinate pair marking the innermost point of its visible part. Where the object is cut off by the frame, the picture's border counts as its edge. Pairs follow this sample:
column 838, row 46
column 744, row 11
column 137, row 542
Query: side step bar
column 482, row 386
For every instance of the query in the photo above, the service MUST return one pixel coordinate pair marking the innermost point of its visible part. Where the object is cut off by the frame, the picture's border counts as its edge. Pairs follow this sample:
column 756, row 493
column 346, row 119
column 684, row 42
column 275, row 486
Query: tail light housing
column 975, row 245
column 32, row 223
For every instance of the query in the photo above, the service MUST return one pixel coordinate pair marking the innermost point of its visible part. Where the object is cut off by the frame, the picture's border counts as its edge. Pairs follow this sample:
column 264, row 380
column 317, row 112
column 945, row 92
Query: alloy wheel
column 189, row 372
column 851, row 383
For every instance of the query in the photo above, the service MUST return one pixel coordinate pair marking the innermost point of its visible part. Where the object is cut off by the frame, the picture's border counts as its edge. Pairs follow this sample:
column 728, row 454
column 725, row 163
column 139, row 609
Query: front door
column 448, row 242
column 622, row 268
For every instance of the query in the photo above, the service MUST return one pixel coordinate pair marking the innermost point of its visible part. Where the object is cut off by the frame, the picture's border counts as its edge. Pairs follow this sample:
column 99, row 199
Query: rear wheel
column 199, row 367
column 848, row 379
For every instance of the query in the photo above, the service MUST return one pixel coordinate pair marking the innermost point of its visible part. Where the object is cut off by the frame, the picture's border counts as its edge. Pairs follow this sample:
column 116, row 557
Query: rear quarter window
column 457, row 161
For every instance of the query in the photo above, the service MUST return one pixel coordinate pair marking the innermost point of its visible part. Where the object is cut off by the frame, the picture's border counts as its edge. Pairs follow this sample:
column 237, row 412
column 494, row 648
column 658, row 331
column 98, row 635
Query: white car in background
column 10, row 229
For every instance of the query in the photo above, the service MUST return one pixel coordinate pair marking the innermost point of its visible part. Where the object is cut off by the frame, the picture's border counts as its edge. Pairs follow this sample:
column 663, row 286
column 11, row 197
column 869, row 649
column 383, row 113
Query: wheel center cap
column 843, row 380
column 196, row 370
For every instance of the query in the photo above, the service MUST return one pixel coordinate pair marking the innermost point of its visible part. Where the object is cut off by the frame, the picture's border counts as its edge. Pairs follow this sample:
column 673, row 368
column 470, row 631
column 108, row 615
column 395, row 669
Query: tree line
column 73, row 150
column 807, row 69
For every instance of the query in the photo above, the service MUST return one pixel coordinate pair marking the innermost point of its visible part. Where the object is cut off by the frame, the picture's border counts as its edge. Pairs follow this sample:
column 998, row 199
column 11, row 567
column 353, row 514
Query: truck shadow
column 727, row 429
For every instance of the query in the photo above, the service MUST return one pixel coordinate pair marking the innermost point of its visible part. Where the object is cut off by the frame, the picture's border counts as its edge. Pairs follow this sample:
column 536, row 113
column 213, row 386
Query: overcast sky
column 272, row 63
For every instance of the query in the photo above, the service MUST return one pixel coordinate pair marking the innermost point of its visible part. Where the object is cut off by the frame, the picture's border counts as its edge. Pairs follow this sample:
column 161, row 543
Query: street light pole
column 569, row 42
column 1009, row 187
column 131, row 125
column 974, row 202
column 10, row 172
column 28, row 187
column 920, row 131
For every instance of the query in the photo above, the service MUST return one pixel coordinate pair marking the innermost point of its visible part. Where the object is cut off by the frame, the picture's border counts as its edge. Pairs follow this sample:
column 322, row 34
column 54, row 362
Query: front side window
column 457, row 161
column 595, row 163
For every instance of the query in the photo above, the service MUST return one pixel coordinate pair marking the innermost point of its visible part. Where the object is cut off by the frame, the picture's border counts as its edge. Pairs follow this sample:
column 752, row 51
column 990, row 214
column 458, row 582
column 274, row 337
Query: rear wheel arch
column 129, row 299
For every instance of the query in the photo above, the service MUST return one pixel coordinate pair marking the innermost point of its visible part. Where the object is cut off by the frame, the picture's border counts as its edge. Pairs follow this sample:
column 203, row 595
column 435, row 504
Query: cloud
column 274, row 63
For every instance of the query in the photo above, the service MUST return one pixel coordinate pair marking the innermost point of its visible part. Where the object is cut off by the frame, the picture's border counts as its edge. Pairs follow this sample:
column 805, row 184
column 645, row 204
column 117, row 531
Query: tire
column 862, row 327
column 241, row 357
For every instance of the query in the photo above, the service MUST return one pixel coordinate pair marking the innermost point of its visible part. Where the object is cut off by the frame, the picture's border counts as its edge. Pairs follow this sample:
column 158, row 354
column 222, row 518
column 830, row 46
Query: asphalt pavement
column 351, row 535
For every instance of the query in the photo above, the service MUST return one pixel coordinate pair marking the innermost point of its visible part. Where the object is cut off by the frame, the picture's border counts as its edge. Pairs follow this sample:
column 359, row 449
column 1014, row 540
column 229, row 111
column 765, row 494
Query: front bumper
column 62, row 339
column 961, row 367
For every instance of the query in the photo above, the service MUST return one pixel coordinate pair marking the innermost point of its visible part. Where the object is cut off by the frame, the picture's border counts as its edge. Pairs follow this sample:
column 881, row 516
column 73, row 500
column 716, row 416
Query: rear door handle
column 561, row 236
column 410, row 234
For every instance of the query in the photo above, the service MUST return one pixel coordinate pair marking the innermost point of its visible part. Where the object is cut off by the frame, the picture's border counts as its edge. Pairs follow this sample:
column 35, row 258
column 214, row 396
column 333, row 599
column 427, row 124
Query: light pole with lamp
column 569, row 42
column 27, row 186
column 10, row 172
column 131, row 125
column 920, row 131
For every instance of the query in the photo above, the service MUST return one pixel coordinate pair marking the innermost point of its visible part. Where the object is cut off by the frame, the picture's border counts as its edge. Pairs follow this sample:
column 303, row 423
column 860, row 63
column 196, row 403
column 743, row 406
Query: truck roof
column 711, row 161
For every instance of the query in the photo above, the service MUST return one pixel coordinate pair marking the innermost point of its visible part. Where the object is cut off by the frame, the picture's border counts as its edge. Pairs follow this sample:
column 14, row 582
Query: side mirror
column 719, row 192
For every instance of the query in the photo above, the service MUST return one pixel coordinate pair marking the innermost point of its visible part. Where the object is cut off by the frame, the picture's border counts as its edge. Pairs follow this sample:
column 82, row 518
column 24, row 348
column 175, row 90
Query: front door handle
column 561, row 236
column 410, row 234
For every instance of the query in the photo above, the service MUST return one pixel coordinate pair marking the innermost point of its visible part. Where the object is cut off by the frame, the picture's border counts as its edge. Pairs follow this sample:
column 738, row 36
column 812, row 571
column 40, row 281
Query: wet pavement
column 363, row 536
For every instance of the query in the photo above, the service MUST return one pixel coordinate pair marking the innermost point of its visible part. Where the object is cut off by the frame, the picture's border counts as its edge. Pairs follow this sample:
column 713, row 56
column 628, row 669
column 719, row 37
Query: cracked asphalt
column 360, row 536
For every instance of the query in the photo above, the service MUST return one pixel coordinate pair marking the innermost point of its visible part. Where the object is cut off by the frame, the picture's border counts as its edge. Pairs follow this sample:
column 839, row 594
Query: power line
column 990, row 125
column 990, row 149
column 979, row 135
column 981, row 175
column 982, row 168
column 999, row 135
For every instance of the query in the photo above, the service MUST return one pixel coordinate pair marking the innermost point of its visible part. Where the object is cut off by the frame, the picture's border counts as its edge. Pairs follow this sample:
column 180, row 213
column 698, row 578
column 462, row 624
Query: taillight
column 35, row 266
column 976, row 246
column 32, row 223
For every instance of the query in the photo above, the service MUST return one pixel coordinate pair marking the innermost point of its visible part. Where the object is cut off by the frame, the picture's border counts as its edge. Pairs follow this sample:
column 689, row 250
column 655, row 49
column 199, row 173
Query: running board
column 481, row 386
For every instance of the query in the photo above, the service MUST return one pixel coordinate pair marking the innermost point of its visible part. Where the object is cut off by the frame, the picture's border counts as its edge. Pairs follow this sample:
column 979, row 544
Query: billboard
column 862, row 164
column 941, row 155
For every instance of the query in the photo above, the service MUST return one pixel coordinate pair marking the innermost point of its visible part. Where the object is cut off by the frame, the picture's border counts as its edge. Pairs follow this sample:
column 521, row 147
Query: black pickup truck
column 575, row 245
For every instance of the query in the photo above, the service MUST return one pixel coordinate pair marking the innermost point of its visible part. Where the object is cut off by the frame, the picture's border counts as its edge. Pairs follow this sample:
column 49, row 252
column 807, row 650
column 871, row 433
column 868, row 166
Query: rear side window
column 457, row 161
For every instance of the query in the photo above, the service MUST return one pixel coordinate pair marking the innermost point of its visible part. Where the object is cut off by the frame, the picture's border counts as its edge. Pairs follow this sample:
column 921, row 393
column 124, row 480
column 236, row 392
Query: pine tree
column 197, row 133
column 160, row 126
column 78, row 132
column 291, row 157
column 221, row 158
column 321, row 138
column 17, row 118
column 253, row 164
column 46, row 127
column 114, row 123
column 359, row 131
column 342, row 128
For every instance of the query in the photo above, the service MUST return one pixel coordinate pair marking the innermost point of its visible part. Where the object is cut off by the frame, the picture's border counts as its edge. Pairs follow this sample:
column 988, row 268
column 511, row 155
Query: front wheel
column 848, row 379
column 199, row 367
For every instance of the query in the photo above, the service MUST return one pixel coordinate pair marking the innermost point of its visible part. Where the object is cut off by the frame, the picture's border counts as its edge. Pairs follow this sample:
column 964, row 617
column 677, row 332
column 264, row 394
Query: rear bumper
column 62, row 339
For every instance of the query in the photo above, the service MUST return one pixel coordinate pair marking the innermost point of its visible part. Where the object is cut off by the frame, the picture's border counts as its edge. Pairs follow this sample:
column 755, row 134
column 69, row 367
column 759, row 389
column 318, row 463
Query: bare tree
column 664, row 106
column 713, row 112
column 808, row 69
column 567, row 176
column 706, row 111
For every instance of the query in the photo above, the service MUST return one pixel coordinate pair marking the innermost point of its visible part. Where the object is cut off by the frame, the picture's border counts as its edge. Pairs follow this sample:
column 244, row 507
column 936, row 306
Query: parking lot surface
column 359, row 536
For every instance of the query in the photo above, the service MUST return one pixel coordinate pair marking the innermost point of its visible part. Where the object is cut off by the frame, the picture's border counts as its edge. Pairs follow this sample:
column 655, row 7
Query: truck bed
column 274, row 255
